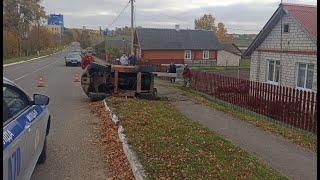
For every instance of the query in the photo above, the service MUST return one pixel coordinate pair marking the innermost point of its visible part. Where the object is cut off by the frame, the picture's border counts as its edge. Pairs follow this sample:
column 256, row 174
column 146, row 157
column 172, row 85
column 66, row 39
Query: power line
column 114, row 20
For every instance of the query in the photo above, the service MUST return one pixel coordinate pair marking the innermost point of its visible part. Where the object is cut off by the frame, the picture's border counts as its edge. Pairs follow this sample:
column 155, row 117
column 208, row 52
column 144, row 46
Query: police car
column 26, row 124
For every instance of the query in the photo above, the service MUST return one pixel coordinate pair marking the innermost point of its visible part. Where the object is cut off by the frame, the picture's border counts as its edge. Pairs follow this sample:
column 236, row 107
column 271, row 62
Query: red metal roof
column 306, row 15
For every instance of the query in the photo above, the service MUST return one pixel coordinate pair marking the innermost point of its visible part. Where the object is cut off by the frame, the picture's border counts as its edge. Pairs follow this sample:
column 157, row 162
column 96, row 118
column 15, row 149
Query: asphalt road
column 71, row 151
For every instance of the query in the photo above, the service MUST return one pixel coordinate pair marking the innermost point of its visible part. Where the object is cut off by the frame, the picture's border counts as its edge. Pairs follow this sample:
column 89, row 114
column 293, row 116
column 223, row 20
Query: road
column 71, row 151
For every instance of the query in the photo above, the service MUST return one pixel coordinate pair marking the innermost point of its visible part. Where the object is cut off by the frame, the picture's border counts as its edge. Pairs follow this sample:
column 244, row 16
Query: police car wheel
column 43, row 155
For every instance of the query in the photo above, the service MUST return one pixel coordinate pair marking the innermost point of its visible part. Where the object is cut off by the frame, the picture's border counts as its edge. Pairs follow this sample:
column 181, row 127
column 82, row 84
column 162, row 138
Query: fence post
column 308, row 112
column 303, row 110
column 314, row 128
column 310, row 128
column 300, row 109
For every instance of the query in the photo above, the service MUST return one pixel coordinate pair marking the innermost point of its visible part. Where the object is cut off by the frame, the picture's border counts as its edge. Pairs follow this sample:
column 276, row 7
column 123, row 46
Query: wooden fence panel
column 288, row 105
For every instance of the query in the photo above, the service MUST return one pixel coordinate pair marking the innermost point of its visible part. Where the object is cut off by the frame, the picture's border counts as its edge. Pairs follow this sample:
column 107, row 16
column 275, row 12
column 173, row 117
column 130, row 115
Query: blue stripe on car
column 16, row 127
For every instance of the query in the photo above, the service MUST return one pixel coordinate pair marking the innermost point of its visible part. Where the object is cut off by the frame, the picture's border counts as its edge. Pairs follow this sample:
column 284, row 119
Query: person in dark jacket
column 172, row 69
column 133, row 59
column 186, row 74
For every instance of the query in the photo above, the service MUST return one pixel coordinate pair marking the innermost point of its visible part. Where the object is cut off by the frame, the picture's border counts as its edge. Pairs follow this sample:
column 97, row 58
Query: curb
column 5, row 65
column 136, row 167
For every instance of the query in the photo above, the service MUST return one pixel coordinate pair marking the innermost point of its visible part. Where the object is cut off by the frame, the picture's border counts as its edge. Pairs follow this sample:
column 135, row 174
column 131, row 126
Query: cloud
column 245, row 16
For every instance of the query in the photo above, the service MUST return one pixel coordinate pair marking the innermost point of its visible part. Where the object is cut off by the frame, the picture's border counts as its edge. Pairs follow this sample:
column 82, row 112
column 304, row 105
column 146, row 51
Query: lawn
column 170, row 146
column 299, row 137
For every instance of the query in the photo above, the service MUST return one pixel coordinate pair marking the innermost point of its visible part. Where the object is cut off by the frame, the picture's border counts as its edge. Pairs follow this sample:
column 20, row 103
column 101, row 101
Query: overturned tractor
column 100, row 81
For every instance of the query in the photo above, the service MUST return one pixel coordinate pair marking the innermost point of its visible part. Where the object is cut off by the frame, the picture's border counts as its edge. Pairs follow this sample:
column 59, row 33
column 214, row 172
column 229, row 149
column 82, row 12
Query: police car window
column 14, row 101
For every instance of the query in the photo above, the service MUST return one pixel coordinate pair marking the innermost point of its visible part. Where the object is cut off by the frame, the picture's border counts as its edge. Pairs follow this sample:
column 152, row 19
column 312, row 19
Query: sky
column 239, row 16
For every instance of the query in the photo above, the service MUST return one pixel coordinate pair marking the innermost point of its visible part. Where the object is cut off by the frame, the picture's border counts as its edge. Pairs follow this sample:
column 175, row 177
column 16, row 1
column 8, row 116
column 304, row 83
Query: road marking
column 35, row 71
column 5, row 65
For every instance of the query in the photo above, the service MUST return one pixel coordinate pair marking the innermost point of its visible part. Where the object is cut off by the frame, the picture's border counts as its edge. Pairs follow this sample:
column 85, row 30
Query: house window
column 286, row 28
column 187, row 54
column 305, row 75
column 273, row 72
column 206, row 54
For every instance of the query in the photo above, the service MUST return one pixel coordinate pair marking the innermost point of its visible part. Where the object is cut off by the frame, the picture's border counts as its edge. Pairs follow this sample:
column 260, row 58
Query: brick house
column 162, row 46
column 229, row 55
column 285, row 51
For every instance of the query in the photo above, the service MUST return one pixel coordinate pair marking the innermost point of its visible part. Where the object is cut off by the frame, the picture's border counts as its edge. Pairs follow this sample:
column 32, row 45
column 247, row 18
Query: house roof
column 232, row 48
column 117, row 43
column 171, row 39
column 305, row 15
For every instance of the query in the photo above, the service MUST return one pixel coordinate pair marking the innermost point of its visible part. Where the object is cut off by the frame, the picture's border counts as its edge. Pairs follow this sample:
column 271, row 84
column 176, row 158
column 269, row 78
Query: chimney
column 177, row 27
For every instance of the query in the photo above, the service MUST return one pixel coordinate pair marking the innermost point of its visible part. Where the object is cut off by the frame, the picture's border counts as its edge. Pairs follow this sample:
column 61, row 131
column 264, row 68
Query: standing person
column 130, row 60
column 86, row 60
column 133, row 59
column 118, row 61
column 124, row 59
column 186, row 74
column 172, row 69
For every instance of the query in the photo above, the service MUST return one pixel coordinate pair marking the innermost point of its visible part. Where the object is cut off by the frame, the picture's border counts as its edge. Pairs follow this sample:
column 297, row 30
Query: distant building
column 54, row 29
column 228, row 55
column 56, row 20
column 181, row 46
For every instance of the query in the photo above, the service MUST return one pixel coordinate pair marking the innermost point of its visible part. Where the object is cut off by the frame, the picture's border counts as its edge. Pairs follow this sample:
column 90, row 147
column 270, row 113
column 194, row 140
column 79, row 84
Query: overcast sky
column 239, row 16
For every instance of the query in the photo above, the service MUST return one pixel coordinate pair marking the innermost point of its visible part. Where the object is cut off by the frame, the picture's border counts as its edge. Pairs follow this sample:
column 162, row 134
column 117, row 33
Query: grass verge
column 170, row 146
column 24, row 58
column 299, row 137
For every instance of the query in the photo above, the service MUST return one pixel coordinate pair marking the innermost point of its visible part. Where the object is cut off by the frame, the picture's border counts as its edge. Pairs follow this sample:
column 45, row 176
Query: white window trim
column 274, row 72
column 305, row 78
column 185, row 54
column 203, row 53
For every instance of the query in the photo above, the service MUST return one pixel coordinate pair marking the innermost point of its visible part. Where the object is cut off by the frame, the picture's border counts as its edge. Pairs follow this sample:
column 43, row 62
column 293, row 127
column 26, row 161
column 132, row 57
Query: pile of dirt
column 112, row 147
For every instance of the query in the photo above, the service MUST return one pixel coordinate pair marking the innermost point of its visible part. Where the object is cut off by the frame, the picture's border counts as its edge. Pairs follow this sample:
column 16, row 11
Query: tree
column 206, row 22
column 222, row 34
column 10, row 48
column 113, row 52
column 19, row 15
column 38, row 39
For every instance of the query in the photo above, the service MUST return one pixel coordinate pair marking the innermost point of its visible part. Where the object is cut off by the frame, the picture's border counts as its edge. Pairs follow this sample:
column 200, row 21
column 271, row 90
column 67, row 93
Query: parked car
column 26, row 125
column 73, row 58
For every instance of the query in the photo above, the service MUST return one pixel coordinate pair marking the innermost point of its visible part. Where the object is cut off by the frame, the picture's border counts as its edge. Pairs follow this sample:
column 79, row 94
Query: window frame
column 15, row 88
column 284, row 25
column 305, row 78
column 203, row 54
column 274, row 72
column 185, row 54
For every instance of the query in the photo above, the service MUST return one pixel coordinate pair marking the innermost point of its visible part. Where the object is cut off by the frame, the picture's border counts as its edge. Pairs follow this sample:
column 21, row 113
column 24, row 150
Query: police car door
column 15, row 156
column 23, row 117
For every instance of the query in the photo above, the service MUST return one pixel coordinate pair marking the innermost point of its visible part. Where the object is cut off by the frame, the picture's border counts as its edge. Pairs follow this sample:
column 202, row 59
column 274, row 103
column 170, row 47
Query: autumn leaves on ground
column 301, row 138
column 171, row 146
column 112, row 147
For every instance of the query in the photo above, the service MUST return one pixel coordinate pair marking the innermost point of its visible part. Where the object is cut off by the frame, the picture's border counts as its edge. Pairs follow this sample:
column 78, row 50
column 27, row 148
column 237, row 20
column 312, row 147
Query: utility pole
column 281, row 16
column 132, row 30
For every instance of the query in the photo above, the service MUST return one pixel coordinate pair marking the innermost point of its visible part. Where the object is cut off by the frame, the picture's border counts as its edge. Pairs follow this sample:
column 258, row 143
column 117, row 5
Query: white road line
column 25, row 75
column 5, row 65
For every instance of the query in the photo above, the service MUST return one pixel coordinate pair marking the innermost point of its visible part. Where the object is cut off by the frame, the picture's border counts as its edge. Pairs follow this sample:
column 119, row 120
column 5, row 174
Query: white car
column 73, row 58
column 26, row 124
